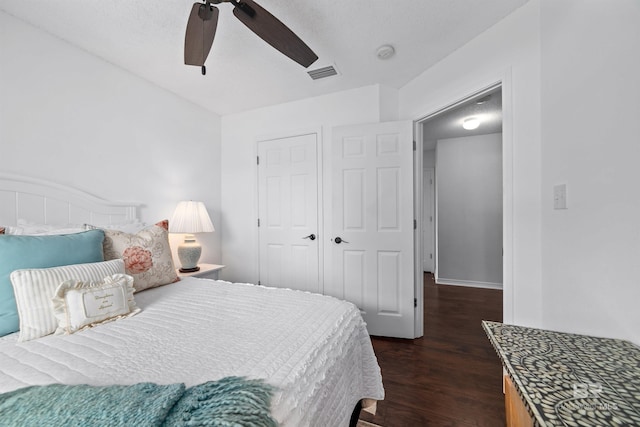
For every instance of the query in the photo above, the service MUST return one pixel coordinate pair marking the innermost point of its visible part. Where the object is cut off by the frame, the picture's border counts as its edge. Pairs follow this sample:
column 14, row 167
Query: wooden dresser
column 559, row 379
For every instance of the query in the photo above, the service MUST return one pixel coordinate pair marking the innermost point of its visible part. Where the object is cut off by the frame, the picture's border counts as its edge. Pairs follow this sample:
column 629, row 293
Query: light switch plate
column 560, row 196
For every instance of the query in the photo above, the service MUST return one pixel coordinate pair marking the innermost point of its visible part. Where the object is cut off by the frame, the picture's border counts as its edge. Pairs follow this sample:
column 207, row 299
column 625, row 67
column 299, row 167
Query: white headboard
column 44, row 202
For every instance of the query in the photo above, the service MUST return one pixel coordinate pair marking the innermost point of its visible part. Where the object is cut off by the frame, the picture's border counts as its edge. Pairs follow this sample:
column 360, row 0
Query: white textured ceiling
column 243, row 72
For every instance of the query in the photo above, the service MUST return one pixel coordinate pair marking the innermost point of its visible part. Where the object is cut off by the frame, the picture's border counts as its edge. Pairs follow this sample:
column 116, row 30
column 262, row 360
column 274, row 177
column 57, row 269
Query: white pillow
column 130, row 227
column 27, row 228
column 83, row 304
column 42, row 231
column 34, row 288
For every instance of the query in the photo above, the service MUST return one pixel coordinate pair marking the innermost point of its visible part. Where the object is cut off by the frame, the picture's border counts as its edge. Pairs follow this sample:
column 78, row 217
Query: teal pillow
column 18, row 252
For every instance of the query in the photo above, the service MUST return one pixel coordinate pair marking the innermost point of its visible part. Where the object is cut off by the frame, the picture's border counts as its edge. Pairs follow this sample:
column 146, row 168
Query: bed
column 314, row 350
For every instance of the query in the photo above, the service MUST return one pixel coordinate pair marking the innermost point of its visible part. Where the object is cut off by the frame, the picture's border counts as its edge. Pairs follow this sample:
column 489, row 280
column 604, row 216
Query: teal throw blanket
column 231, row 401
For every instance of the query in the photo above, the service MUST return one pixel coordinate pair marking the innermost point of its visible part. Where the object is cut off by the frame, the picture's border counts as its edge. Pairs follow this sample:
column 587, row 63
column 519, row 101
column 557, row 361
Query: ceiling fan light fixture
column 471, row 123
column 385, row 51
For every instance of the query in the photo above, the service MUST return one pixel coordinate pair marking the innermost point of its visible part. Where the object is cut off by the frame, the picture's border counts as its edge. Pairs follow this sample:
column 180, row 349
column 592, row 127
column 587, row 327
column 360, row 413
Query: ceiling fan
column 203, row 21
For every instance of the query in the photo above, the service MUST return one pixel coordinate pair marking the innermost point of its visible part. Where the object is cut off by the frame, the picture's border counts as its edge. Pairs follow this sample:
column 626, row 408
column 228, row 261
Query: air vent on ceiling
column 321, row 73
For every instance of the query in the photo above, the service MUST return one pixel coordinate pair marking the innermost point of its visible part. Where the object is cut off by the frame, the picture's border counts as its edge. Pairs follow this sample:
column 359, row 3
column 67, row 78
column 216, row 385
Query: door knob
column 310, row 237
column 339, row 240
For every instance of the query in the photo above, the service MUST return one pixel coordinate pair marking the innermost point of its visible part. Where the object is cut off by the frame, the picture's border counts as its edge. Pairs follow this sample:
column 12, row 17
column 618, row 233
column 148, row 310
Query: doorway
column 467, row 233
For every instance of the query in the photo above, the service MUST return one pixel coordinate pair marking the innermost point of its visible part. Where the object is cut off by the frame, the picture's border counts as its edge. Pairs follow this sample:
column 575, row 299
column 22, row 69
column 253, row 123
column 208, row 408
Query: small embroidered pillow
column 34, row 288
column 78, row 305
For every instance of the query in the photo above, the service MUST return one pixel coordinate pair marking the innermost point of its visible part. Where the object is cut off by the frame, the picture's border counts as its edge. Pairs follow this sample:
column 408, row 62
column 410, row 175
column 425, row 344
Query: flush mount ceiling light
column 471, row 123
column 385, row 51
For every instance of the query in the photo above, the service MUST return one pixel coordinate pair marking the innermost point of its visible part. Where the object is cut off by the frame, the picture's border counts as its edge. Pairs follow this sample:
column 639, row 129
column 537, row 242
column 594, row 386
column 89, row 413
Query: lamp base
column 189, row 254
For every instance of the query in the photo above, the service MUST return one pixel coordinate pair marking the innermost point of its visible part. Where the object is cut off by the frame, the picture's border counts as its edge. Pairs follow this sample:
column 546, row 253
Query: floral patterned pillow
column 146, row 254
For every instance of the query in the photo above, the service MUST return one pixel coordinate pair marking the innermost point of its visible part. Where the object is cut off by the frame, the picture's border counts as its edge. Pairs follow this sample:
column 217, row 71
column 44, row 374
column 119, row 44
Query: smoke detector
column 385, row 51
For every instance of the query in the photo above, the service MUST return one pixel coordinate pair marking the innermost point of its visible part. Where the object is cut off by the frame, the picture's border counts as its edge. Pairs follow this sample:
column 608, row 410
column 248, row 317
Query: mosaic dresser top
column 570, row 380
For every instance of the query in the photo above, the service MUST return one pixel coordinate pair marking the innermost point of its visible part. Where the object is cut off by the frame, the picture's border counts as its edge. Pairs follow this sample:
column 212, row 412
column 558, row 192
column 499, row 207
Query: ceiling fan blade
column 201, row 29
column 270, row 29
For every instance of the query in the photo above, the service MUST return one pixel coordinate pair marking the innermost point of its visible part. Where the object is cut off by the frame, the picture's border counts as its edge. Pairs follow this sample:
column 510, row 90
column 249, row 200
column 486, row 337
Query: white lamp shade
column 191, row 217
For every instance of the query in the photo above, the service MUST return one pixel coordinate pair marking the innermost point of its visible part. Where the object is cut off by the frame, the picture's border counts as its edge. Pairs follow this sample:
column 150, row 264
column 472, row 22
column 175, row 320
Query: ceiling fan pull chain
column 204, row 70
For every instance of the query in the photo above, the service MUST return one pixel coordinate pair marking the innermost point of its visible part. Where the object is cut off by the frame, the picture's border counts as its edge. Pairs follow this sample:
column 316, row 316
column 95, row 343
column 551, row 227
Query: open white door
column 372, row 258
column 428, row 198
column 288, row 212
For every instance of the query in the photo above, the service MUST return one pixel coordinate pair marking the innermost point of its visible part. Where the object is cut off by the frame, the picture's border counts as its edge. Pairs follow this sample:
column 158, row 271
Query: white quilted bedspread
column 315, row 349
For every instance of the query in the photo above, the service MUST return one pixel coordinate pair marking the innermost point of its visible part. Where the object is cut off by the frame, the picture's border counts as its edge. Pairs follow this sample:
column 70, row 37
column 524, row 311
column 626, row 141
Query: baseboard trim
column 468, row 283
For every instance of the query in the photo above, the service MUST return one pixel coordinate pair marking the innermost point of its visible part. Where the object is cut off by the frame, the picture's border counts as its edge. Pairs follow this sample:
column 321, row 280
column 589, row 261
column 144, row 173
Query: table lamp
column 190, row 217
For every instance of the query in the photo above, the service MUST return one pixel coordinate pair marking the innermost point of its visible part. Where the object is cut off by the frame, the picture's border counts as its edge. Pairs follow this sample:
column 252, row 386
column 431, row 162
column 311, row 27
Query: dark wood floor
column 451, row 376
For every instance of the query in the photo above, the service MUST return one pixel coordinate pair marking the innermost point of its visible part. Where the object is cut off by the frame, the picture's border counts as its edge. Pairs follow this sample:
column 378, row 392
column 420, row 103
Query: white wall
column 508, row 51
column 469, row 191
column 70, row 117
column 571, row 106
column 240, row 132
column 429, row 158
column 590, row 134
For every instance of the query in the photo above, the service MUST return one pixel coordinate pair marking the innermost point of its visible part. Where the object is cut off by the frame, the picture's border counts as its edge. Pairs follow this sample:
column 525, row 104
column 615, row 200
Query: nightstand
column 207, row 271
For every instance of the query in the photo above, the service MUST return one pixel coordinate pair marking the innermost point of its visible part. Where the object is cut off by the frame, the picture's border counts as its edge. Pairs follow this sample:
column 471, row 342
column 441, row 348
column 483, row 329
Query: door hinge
column 257, row 160
column 259, row 284
column 430, row 181
column 430, row 218
column 415, row 224
column 430, row 256
column 414, row 146
column 415, row 302
column 258, row 222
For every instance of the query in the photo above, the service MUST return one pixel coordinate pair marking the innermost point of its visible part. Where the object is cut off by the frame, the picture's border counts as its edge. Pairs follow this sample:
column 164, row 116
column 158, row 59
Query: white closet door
column 288, row 212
